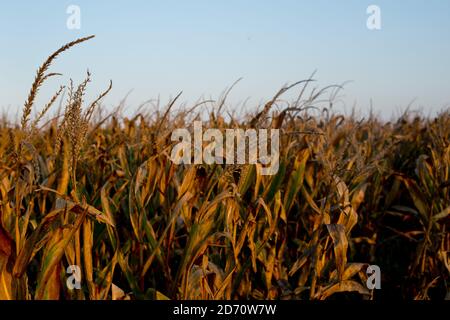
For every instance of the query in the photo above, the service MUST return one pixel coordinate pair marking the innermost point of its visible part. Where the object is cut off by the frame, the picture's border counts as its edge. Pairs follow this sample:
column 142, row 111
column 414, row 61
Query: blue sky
column 158, row 48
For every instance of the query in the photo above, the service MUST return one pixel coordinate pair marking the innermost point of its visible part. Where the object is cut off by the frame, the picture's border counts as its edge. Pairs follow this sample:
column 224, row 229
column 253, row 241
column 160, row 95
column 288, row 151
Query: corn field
column 100, row 192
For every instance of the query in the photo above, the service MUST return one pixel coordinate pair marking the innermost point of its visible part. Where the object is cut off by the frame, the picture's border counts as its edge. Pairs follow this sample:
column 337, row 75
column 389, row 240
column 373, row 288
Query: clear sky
column 158, row 48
